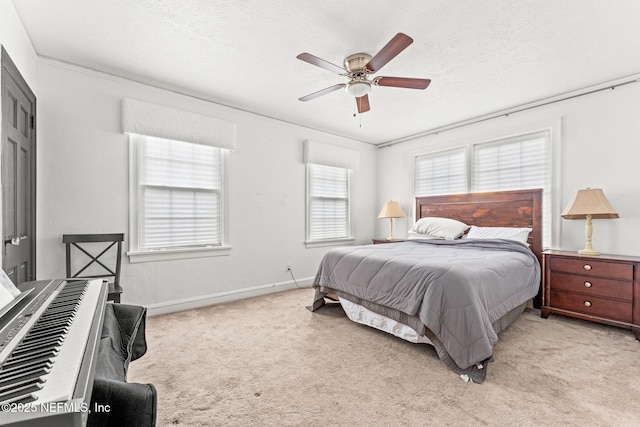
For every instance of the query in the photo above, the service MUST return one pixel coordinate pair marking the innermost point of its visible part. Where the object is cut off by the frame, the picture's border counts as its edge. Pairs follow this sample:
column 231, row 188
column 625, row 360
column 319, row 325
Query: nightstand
column 603, row 288
column 383, row 240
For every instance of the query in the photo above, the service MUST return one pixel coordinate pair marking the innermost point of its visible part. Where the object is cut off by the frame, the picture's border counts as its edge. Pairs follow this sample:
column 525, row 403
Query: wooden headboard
column 521, row 208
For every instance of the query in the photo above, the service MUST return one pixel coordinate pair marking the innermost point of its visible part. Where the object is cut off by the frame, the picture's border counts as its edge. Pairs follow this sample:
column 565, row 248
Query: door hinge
column 33, row 121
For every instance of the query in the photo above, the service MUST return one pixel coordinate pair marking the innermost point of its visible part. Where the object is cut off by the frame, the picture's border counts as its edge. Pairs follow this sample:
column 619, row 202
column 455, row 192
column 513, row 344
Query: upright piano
column 48, row 351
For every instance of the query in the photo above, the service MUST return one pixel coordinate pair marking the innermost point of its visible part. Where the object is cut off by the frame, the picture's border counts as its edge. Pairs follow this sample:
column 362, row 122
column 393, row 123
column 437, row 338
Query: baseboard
column 211, row 299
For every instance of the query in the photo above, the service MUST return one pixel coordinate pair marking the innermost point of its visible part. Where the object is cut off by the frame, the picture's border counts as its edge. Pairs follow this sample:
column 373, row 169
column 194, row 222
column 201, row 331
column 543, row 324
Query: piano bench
column 122, row 341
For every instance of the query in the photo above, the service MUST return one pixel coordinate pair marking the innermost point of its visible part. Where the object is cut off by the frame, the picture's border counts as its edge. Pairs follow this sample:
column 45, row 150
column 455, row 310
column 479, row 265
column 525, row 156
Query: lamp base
column 391, row 230
column 588, row 230
column 587, row 251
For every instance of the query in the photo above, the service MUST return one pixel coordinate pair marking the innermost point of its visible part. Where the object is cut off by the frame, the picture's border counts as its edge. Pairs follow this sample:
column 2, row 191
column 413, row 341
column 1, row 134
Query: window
column 176, row 181
column 178, row 196
column 328, row 199
column 328, row 203
column 441, row 173
column 516, row 163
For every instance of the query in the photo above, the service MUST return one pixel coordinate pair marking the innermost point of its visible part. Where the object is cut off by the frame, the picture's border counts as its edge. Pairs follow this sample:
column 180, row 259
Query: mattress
column 364, row 316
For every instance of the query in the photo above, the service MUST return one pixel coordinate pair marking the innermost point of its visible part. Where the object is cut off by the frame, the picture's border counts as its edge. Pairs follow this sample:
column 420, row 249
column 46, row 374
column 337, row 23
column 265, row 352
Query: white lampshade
column 391, row 209
column 590, row 201
column 588, row 204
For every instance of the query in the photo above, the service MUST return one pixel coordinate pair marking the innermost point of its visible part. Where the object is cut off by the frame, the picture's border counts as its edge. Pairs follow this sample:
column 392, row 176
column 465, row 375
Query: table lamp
column 391, row 209
column 588, row 204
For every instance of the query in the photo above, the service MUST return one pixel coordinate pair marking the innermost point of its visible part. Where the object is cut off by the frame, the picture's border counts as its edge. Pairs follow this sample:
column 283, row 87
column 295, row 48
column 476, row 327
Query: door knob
column 14, row 241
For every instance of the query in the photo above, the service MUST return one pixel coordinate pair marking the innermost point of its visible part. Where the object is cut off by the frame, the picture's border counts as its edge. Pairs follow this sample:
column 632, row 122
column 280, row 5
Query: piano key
column 49, row 325
column 55, row 315
column 28, row 357
column 26, row 367
column 34, row 350
column 63, row 298
column 74, row 292
column 39, row 359
column 25, row 377
column 57, row 326
column 20, row 392
column 37, row 332
column 64, row 305
column 43, row 322
column 66, row 298
column 62, row 378
column 41, row 367
column 38, row 343
column 43, row 334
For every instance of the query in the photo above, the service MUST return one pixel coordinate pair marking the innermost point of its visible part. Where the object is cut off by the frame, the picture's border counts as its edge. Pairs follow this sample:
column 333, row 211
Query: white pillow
column 443, row 228
column 412, row 235
column 518, row 234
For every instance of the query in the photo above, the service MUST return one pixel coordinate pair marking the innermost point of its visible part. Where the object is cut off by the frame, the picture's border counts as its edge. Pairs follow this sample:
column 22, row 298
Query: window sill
column 182, row 253
column 329, row 242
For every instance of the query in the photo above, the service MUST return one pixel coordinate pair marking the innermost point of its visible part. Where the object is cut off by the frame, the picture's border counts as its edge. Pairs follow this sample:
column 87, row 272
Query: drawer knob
column 587, row 304
column 587, row 284
column 586, row 267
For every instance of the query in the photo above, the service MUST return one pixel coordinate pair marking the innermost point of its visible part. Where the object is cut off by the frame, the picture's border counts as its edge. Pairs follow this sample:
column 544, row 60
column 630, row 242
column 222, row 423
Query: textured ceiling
column 482, row 56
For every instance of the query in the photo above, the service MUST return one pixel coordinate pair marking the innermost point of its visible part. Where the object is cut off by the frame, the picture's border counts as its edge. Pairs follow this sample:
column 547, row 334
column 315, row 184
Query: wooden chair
column 103, row 265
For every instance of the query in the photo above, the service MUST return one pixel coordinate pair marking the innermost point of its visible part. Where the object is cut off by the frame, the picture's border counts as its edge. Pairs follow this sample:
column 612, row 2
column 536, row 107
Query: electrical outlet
column 288, row 267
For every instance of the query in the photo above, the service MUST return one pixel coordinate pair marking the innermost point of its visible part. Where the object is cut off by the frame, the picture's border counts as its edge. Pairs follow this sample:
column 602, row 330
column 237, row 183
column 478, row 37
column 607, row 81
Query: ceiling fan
column 359, row 66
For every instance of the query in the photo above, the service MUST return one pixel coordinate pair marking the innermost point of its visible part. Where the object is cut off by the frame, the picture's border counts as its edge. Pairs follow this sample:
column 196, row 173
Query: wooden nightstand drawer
column 597, row 286
column 589, row 267
column 592, row 306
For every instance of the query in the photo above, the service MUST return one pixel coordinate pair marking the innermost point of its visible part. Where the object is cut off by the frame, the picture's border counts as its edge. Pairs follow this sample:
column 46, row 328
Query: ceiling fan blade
column 396, row 45
column 402, row 82
column 322, row 92
column 363, row 104
column 314, row 60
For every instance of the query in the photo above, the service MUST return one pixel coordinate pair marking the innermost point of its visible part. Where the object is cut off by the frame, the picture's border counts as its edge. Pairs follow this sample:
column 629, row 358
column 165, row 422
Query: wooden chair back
column 97, row 248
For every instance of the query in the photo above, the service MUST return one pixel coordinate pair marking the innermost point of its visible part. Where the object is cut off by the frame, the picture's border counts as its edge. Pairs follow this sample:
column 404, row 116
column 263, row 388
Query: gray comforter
column 456, row 289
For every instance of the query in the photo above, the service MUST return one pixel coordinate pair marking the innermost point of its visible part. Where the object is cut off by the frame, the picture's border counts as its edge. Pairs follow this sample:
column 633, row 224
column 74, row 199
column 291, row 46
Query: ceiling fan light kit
column 358, row 88
column 359, row 66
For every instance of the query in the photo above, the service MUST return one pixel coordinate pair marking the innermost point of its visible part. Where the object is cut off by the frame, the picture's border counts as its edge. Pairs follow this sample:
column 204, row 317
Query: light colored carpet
column 267, row 361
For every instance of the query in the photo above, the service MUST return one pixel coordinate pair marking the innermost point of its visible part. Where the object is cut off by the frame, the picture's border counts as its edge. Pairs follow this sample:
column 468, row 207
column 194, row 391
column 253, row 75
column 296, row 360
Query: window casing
column 328, row 204
column 177, row 199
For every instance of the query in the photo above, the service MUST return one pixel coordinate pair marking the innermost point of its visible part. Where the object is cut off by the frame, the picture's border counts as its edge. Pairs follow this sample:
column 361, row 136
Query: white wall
column 16, row 42
column 599, row 148
column 83, row 187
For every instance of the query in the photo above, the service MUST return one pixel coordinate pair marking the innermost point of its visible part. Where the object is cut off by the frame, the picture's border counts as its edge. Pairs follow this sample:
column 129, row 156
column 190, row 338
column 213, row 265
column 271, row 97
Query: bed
column 456, row 295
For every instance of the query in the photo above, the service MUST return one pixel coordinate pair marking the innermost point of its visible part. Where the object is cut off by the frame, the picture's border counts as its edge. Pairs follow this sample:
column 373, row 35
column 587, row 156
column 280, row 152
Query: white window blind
column 180, row 194
column 516, row 164
column 328, row 202
column 512, row 164
column 441, row 173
